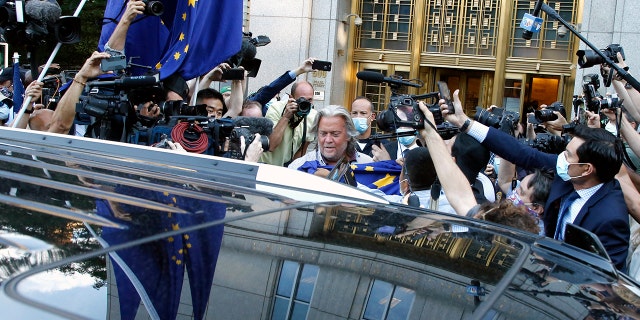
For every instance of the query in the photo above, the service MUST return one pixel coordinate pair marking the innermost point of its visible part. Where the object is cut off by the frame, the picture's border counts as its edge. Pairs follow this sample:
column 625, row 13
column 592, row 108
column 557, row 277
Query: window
column 388, row 302
column 295, row 288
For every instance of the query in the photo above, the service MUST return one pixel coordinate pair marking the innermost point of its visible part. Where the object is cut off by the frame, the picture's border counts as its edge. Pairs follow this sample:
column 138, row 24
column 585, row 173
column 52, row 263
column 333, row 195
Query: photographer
column 266, row 93
column 291, row 134
column 65, row 113
column 458, row 190
column 233, row 103
column 584, row 191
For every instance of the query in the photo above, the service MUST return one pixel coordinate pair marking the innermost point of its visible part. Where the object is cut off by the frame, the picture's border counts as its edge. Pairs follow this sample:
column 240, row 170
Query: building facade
column 473, row 45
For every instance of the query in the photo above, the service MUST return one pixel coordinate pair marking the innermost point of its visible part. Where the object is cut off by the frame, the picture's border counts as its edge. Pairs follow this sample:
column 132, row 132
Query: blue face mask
column 362, row 125
column 407, row 141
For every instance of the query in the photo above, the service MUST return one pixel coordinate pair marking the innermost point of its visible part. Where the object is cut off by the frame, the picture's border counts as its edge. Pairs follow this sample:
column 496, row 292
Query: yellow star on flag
column 192, row 3
column 158, row 66
column 181, row 37
column 175, row 226
column 184, row 16
column 176, row 55
column 388, row 179
column 186, row 49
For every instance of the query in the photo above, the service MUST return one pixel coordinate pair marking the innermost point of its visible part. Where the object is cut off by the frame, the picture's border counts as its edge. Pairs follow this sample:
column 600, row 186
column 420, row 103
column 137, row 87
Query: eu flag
column 159, row 266
column 203, row 34
column 18, row 88
column 146, row 38
column 381, row 175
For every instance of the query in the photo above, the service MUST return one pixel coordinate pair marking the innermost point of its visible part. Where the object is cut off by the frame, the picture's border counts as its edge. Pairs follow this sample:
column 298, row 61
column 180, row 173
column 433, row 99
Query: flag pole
column 27, row 99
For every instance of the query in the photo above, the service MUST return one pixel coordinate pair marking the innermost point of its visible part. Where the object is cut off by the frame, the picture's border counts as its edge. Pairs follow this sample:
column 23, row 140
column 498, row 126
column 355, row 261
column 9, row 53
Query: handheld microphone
column 531, row 23
column 377, row 77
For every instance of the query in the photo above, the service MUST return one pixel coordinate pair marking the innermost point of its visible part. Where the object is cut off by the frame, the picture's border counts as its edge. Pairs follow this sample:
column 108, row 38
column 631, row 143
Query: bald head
column 40, row 120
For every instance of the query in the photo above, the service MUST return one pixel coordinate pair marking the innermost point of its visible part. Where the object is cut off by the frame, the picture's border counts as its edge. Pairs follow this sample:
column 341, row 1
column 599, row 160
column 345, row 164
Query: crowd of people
column 587, row 183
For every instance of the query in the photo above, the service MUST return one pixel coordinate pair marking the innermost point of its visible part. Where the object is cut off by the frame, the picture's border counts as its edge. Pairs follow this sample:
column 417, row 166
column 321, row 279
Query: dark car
column 94, row 229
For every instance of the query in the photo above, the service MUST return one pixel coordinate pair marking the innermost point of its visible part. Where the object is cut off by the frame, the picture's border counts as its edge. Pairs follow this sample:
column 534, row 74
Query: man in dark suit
column 583, row 192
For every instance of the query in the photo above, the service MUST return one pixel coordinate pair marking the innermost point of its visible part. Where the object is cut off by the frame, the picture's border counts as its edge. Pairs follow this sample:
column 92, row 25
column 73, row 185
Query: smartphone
column 445, row 94
column 114, row 63
column 233, row 74
column 321, row 65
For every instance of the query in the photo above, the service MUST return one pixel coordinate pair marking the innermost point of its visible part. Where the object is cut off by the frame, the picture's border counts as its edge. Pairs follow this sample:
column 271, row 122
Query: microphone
column 263, row 126
column 127, row 82
column 531, row 23
column 377, row 77
column 46, row 11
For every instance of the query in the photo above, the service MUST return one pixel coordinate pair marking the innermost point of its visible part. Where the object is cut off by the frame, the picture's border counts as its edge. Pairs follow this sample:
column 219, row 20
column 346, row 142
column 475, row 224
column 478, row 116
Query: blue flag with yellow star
column 147, row 36
column 203, row 33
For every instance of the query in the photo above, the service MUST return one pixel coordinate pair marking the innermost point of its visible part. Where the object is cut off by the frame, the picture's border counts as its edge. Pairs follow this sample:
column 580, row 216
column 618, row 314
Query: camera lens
column 153, row 8
column 304, row 107
column 545, row 115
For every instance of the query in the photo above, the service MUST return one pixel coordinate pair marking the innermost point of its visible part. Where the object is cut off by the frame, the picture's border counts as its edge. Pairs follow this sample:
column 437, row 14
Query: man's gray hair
column 338, row 111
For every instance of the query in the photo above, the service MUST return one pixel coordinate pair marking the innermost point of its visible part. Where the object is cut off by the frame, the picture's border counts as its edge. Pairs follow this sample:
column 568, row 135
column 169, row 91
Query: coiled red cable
column 198, row 146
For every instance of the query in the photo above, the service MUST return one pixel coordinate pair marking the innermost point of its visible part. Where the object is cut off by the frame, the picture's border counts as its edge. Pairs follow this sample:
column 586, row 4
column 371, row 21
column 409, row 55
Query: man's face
column 214, row 107
column 576, row 168
column 526, row 194
column 361, row 109
column 332, row 138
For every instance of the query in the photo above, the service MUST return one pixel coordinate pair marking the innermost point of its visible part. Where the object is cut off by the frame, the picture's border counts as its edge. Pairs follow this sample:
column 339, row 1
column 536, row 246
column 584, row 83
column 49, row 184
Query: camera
column 403, row 111
column 174, row 108
column 588, row 58
column 498, row 118
column 234, row 141
column 548, row 143
column 592, row 100
column 153, row 8
column 545, row 115
column 304, row 107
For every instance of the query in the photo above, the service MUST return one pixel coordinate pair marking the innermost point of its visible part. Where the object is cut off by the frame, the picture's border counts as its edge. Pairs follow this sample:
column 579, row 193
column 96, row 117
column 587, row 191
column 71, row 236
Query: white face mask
column 4, row 112
column 562, row 167
column 611, row 127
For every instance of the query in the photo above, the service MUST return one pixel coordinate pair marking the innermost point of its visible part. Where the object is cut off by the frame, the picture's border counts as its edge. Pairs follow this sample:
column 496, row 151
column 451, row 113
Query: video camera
column 31, row 22
column 246, row 58
column 218, row 131
column 403, row 109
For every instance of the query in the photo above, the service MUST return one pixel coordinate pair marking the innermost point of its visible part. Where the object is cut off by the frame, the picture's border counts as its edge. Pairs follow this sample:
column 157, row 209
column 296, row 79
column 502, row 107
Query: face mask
column 611, row 127
column 361, row 124
column 562, row 168
column 514, row 197
column 4, row 112
column 406, row 141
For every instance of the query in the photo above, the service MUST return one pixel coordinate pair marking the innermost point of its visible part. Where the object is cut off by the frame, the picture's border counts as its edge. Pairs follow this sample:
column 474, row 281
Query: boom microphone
column 377, row 77
column 263, row 126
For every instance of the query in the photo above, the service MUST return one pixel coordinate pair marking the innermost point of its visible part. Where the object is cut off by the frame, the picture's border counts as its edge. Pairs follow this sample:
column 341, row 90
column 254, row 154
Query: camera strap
column 435, row 194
